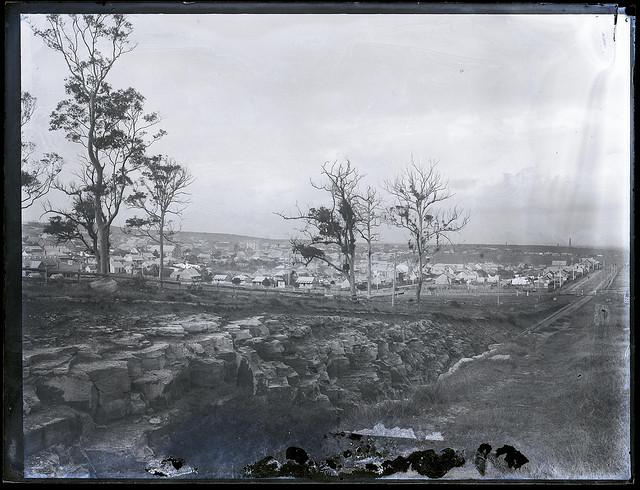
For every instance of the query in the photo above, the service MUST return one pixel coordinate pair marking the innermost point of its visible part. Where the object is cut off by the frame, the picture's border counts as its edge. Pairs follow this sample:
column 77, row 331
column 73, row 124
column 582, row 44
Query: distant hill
column 223, row 237
column 451, row 253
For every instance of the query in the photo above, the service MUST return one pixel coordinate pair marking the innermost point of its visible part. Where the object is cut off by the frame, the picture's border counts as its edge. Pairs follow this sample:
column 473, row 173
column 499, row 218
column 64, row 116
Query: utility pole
column 393, row 294
column 498, row 289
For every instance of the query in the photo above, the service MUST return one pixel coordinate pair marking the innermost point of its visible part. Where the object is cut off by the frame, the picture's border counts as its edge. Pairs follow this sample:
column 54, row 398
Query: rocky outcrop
column 141, row 371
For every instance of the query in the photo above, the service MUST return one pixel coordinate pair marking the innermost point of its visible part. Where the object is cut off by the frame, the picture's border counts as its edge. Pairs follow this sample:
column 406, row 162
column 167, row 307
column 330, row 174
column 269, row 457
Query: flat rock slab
column 170, row 331
column 500, row 357
column 105, row 285
column 199, row 326
column 151, row 352
column 109, row 377
column 247, row 322
column 52, row 354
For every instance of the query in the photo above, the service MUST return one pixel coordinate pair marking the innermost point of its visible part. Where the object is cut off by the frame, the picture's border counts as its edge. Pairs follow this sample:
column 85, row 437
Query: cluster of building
column 525, row 276
column 270, row 263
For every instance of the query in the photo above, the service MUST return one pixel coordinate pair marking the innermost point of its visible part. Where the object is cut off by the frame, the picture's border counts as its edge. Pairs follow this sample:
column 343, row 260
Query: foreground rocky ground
column 108, row 392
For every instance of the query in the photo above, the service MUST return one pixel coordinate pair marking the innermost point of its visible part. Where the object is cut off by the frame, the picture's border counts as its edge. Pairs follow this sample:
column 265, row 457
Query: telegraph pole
column 498, row 289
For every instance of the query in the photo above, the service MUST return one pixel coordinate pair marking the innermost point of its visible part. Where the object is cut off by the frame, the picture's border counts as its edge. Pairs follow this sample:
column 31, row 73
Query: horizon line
column 507, row 244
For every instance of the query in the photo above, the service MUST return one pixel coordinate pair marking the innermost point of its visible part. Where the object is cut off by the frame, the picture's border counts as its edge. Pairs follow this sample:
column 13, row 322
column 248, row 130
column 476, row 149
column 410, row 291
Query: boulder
column 300, row 332
column 207, row 373
column 299, row 364
column 112, row 409
column 199, row 326
column 138, row 406
column 383, row 349
column 245, row 375
column 336, row 348
column 259, row 331
column 338, row 366
column 247, row 322
column 76, row 390
column 216, row 342
column 279, row 390
column 105, row 285
column 30, row 400
column 109, row 377
column 154, row 384
column 270, row 350
column 178, row 351
column 153, row 357
column 362, row 355
column 130, row 340
column 56, row 425
column 195, row 348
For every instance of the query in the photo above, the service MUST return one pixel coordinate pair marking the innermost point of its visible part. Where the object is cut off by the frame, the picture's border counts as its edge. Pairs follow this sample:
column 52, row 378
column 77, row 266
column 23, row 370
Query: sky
column 527, row 115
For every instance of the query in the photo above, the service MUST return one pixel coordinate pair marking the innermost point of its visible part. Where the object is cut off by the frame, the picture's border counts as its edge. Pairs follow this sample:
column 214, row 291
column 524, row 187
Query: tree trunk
column 369, row 270
column 419, row 285
column 103, row 247
column 161, row 271
column 352, row 277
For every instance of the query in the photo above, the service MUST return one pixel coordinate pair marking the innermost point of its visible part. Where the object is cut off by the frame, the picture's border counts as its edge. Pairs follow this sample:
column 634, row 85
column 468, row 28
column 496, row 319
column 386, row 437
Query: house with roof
column 258, row 280
column 481, row 276
column 66, row 269
column 243, row 278
column 520, row 281
column 221, row 279
column 443, row 280
column 492, row 278
column 466, row 277
column 307, row 282
column 34, row 268
column 281, row 279
column 189, row 275
column 117, row 266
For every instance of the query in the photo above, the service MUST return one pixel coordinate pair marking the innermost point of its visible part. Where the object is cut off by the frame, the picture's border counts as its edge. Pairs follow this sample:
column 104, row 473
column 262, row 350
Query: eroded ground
column 109, row 393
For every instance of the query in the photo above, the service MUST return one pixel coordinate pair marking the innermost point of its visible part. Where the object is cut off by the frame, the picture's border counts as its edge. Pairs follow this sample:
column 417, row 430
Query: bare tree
column 159, row 194
column 109, row 124
column 418, row 193
column 369, row 210
column 36, row 176
column 332, row 227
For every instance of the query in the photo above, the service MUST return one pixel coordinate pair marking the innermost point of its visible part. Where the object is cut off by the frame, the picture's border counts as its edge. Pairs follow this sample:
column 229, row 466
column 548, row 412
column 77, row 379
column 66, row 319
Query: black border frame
column 12, row 225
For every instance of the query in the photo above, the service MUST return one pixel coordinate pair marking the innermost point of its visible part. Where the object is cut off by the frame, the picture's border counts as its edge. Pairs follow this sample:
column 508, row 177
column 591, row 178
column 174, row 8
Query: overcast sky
column 528, row 115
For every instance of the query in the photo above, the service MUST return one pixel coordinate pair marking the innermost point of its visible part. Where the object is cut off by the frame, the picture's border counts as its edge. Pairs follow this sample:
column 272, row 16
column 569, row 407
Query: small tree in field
column 159, row 194
column 418, row 193
column 333, row 226
column 370, row 213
